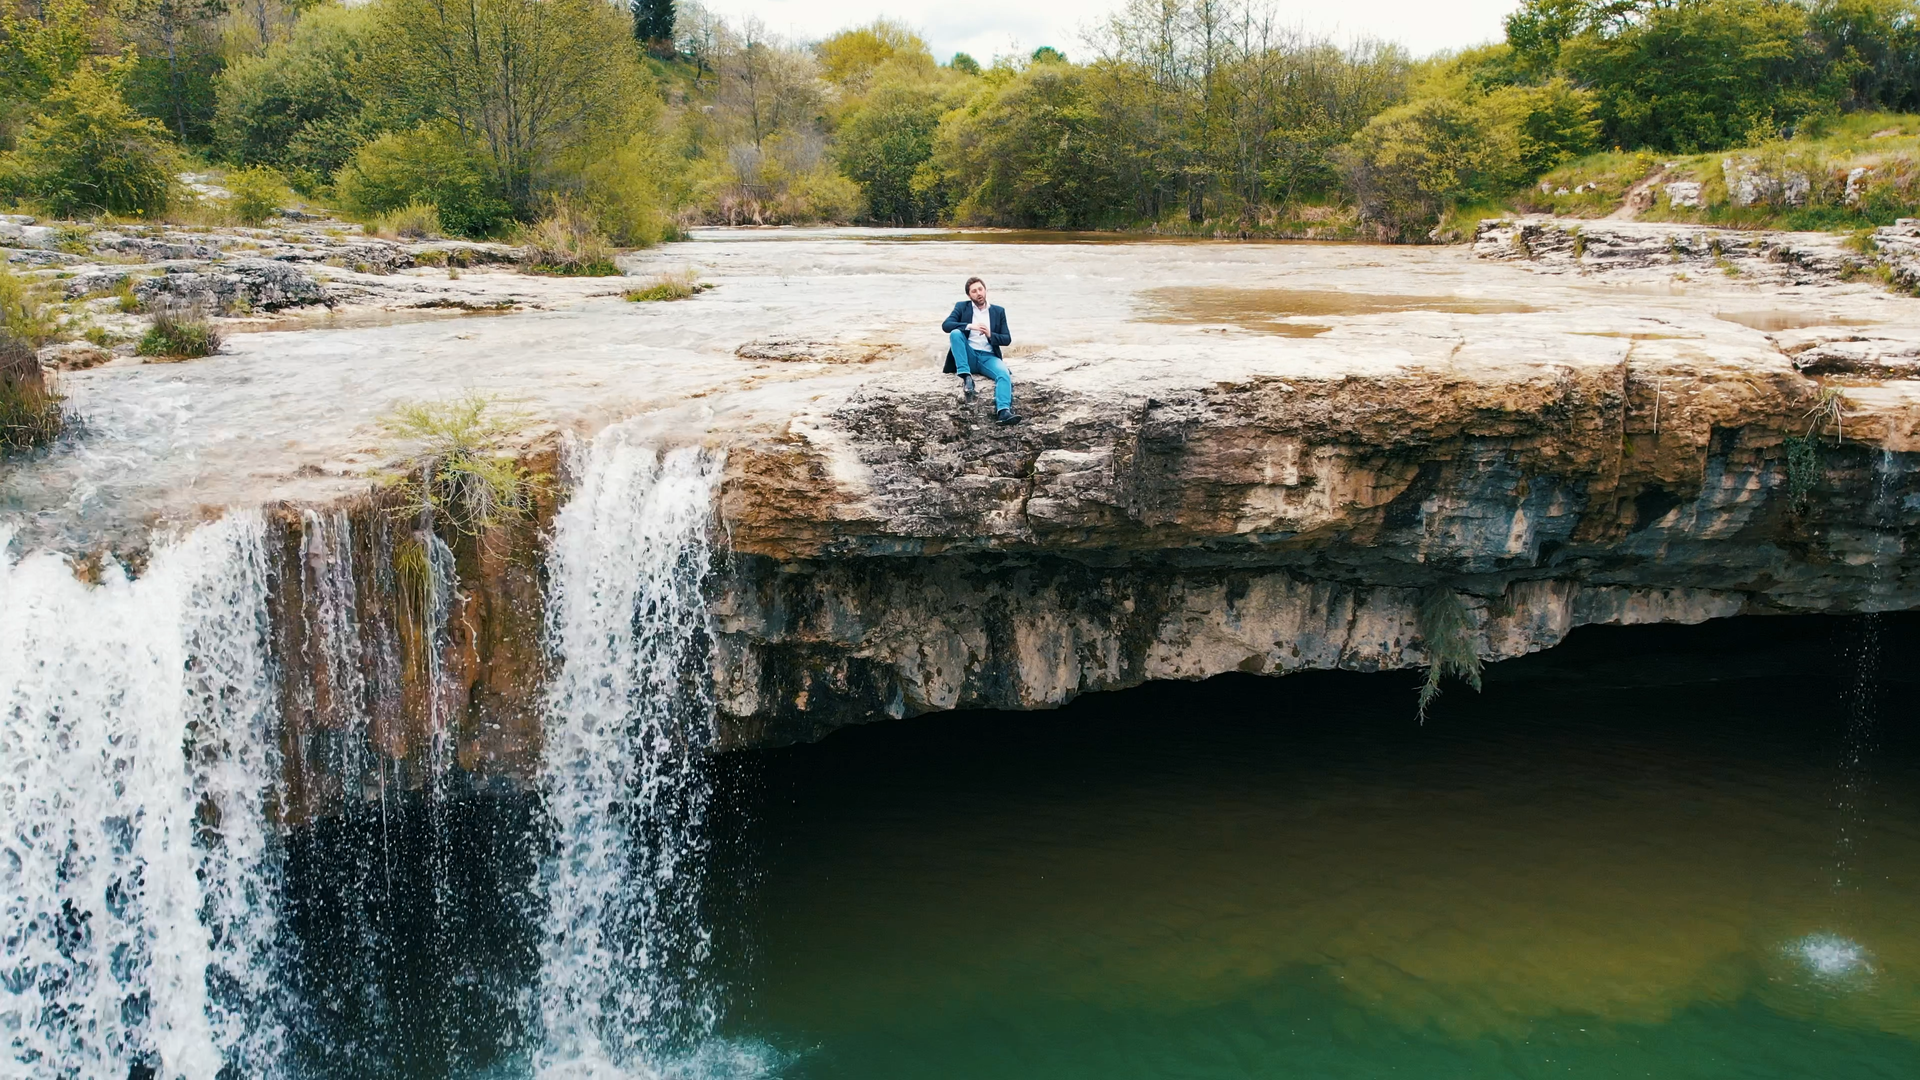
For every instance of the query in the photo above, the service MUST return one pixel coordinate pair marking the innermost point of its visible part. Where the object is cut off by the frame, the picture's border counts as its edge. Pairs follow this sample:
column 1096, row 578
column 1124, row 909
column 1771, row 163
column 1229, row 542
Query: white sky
column 986, row 28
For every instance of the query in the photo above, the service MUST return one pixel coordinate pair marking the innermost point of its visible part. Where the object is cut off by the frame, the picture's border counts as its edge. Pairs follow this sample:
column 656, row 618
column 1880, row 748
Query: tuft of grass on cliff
column 456, row 467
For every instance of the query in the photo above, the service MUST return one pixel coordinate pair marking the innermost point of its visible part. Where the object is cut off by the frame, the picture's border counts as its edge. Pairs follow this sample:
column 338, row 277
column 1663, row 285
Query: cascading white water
column 629, row 711
column 137, row 874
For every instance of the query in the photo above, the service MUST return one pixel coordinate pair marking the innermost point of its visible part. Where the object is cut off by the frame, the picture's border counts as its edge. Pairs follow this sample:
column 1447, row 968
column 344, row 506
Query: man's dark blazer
column 962, row 317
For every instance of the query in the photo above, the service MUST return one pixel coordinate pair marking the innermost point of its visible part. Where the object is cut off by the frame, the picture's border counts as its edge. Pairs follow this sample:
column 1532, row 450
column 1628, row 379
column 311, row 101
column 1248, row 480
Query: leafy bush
column 179, row 333
column 433, row 164
column 258, row 194
column 566, row 242
column 88, row 152
column 670, row 286
column 456, row 469
column 414, row 221
column 622, row 186
column 1411, row 164
column 30, row 411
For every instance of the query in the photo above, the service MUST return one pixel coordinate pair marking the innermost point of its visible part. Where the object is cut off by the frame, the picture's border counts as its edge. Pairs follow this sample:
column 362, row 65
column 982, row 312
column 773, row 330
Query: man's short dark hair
column 968, row 288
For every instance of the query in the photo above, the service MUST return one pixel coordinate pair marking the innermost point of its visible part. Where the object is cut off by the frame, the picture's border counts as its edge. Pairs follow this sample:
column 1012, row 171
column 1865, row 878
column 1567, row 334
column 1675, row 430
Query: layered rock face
column 900, row 558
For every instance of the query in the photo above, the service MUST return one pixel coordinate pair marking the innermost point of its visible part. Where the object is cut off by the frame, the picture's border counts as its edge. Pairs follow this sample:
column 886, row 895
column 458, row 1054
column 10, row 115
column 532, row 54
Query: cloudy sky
column 987, row 28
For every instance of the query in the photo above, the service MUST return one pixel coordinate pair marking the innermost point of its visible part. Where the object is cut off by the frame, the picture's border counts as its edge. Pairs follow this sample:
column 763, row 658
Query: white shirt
column 977, row 329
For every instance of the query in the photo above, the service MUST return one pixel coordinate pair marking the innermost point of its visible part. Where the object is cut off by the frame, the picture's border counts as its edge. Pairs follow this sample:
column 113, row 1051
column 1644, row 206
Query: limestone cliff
column 902, row 557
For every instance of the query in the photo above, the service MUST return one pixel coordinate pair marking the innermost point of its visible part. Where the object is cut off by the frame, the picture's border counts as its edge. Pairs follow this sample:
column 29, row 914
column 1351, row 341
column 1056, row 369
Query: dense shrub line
column 489, row 117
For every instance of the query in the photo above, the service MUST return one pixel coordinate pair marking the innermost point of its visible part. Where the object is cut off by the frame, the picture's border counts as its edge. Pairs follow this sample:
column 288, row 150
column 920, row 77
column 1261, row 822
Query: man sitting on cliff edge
column 975, row 332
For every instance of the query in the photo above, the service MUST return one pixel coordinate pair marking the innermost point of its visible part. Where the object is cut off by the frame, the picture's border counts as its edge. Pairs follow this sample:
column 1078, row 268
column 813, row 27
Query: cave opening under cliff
column 1661, row 849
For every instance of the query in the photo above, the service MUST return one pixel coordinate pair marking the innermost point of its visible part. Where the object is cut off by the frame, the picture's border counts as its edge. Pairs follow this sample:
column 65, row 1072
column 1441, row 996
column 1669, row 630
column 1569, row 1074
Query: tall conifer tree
column 653, row 25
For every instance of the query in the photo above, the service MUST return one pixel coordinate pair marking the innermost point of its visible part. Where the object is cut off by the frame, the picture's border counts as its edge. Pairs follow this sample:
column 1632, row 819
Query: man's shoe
column 966, row 383
column 1005, row 416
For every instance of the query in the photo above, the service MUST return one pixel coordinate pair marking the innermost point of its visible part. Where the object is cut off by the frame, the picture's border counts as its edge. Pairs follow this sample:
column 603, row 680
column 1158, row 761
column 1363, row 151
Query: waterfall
column 1862, row 698
column 137, row 868
column 630, row 711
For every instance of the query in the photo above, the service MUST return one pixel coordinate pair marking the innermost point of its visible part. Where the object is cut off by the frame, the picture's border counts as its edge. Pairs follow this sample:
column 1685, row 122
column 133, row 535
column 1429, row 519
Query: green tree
column 653, row 26
column 884, row 140
column 1689, row 75
column 525, row 81
column 850, row 57
column 89, row 152
column 301, row 106
column 1552, row 123
column 964, row 64
column 1030, row 151
column 1413, row 163
column 38, row 53
column 179, row 59
column 1874, row 46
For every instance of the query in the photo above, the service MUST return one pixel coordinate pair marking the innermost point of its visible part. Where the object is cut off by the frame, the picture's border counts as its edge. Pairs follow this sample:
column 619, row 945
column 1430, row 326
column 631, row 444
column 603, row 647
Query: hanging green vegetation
column 1829, row 410
column 1803, row 468
column 1447, row 631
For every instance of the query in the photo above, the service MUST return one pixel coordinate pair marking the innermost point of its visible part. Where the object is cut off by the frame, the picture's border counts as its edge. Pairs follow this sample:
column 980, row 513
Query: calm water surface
column 1259, row 878
column 1653, row 852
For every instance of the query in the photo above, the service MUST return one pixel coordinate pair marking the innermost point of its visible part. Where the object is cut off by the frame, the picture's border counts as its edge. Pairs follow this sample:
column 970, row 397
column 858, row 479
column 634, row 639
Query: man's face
column 978, row 290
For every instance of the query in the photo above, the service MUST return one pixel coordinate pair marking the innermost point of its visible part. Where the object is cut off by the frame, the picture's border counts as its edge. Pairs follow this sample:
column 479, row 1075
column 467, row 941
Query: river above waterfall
column 804, row 317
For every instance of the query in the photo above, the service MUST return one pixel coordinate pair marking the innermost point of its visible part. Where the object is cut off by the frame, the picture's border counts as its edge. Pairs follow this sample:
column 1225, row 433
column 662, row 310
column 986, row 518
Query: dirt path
column 1639, row 197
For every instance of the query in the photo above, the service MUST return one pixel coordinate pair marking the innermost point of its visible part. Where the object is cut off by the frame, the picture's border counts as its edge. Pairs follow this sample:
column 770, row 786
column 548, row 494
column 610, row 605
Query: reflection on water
column 1772, row 320
column 1265, row 310
column 1258, row 878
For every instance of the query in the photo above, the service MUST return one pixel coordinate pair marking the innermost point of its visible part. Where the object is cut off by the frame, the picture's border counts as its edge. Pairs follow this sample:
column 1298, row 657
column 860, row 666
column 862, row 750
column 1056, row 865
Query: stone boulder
column 73, row 356
column 1685, row 194
column 1753, row 183
column 141, row 247
column 236, row 284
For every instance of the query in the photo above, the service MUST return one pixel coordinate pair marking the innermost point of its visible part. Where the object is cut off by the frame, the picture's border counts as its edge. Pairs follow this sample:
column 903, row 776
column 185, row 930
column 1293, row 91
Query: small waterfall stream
column 629, row 711
column 138, row 893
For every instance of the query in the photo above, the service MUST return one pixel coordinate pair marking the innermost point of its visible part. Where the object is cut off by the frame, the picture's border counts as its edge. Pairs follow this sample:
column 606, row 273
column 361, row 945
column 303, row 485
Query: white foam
column 629, row 711
column 1832, row 956
column 137, row 883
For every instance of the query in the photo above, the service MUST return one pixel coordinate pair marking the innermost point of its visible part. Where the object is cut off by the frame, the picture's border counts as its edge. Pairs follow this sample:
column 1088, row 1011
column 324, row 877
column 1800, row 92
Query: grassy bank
column 1855, row 172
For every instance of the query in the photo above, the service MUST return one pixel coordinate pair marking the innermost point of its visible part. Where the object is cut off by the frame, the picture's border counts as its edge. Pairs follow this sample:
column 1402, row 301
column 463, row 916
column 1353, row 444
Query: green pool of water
column 1280, row 878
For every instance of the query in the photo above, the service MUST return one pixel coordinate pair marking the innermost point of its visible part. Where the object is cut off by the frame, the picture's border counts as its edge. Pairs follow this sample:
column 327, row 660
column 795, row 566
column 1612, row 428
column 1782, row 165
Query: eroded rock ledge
column 902, row 560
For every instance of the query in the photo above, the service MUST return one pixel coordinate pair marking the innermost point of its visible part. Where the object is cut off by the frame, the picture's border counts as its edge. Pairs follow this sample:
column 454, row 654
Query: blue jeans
column 967, row 360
